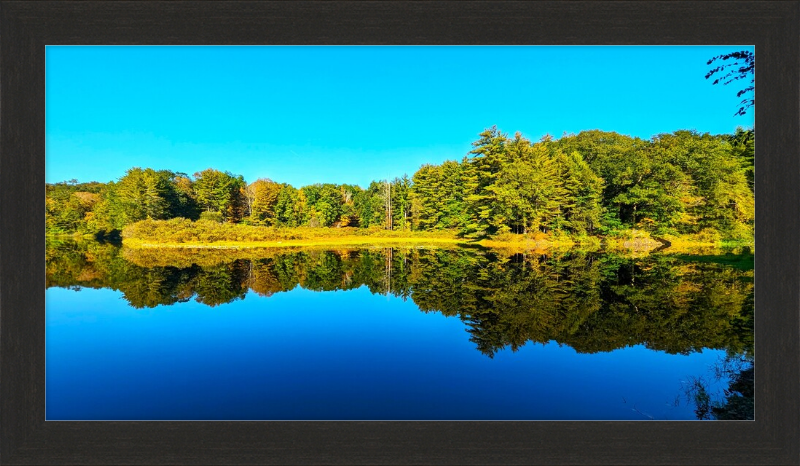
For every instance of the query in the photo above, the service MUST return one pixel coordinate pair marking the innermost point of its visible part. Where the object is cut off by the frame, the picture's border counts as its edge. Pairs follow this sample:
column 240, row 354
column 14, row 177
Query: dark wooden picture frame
column 27, row 27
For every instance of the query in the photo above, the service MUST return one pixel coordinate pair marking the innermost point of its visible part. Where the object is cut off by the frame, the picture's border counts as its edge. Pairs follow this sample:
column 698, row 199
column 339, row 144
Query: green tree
column 324, row 204
column 616, row 159
column 289, row 207
column 140, row 194
column 401, row 203
column 436, row 197
column 185, row 204
column 583, row 190
column 743, row 148
column 537, row 185
column 480, row 172
column 220, row 192
column 370, row 205
column 262, row 199
column 350, row 212
column 711, row 186
column 425, row 192
column 69, row 206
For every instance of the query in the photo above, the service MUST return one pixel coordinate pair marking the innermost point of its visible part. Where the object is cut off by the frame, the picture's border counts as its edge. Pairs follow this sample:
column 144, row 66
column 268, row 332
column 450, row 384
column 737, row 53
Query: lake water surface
column 387, row 334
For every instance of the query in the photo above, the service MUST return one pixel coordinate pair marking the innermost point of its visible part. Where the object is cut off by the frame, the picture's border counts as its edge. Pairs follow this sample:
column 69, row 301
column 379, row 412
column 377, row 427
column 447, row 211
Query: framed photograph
column 399, row 232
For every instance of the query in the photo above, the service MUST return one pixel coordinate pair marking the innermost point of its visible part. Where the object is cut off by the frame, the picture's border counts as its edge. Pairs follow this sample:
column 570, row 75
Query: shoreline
column 309, row 242
column 595, row 243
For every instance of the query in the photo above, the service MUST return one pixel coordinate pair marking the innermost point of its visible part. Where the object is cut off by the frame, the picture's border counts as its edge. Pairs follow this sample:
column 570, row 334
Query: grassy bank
column 186, row 234
column 182, row 233
column 289, row 243
column 74, row 235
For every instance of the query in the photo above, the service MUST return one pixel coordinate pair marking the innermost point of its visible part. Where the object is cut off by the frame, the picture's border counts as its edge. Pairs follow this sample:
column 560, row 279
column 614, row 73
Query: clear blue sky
column 307, row 115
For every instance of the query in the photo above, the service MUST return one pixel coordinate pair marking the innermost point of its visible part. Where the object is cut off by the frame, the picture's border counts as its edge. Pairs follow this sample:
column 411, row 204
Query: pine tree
column 479, row 173
column 425, row 196
column 220, row 192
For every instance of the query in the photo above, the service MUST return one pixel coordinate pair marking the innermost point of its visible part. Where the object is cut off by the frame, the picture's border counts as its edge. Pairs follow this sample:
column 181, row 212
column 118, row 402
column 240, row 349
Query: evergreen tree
column 220, row 192
column 480, row 172
column 583, row 189
column 425, row 196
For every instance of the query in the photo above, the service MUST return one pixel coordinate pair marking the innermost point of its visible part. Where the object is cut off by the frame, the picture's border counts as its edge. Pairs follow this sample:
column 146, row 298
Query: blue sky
column 306, row 115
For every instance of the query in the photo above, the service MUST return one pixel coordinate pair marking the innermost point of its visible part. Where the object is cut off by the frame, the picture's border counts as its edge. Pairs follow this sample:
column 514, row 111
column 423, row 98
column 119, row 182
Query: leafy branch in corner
column 742, row 67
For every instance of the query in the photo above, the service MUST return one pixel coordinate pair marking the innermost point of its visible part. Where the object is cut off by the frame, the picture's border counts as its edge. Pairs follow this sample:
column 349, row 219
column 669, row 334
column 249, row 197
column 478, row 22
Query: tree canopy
column 593, row 182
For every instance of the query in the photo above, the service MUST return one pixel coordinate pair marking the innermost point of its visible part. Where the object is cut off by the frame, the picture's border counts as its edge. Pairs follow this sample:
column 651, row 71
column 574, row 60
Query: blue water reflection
column 332, row 355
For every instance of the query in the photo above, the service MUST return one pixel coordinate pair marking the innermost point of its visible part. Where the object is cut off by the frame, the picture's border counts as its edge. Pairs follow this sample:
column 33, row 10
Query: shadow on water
column 744, row 261
column 588, row 301
column 735, row 402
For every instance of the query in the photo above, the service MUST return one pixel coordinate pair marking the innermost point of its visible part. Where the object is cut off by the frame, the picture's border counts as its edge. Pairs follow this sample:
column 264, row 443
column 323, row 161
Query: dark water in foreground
column 387, row 334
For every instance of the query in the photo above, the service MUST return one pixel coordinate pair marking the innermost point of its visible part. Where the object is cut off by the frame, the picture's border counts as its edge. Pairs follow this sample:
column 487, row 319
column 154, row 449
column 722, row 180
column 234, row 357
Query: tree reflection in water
column 589, row 301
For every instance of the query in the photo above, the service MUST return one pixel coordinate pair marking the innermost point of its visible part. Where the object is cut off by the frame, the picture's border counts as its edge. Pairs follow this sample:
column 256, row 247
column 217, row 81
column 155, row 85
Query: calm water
column 384, row 334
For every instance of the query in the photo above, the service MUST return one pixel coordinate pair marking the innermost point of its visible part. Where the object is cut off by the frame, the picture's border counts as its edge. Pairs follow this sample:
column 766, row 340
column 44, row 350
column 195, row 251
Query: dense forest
column 591, row 183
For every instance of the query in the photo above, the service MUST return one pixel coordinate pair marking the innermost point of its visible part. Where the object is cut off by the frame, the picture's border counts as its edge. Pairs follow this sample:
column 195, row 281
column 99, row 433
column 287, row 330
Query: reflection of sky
column 332, row 355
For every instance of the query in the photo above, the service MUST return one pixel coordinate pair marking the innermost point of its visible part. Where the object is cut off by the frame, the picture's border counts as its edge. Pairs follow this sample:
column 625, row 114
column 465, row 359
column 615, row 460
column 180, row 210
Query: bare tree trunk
column 390, row 206
column 387, row 194
column 387, row 273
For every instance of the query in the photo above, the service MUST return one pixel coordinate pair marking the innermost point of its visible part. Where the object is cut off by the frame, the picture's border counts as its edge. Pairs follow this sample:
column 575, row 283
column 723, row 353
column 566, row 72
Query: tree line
column 589, row 183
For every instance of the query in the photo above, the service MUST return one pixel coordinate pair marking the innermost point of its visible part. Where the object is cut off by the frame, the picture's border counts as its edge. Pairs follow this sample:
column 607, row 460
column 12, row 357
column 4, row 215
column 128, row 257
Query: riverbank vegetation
column 181, row 232
column 684, row 186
